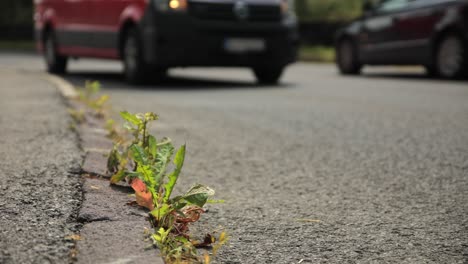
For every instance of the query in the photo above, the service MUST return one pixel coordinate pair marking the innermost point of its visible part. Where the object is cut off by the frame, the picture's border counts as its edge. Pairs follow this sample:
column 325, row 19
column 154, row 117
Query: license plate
column 242, row 45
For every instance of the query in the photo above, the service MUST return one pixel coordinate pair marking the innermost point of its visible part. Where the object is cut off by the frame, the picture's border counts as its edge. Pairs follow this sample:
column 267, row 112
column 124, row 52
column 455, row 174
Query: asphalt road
column 40, row 185
column 381, row 160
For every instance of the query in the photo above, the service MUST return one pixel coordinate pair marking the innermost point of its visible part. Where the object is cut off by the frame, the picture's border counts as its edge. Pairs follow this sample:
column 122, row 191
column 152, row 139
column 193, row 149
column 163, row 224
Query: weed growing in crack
column 79, row 116
column 145, row 164
column 87, row 95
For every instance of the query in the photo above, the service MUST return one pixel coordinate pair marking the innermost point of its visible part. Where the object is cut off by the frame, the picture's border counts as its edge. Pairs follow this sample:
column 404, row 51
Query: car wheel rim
column 450, row 57
column 346, row 55
column 130, row 55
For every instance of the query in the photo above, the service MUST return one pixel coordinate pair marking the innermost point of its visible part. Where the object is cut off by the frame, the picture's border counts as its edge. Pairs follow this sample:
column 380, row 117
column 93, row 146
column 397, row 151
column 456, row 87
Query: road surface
column 319, row 169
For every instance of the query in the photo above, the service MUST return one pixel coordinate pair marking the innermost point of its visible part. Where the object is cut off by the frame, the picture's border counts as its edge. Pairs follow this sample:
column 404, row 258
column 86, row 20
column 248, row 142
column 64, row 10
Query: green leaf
column 139, row 154
column 94, row 86
column 210, row 201
column 163, row 158
column 119, row 176
column 200, row 188
column 152, row 146
column 113, row 161
column 161, row 235
column 197, row 199
column 161, row 212
column 130, row 118
column 182, row 239
column 198, row 195
column 132, row 175
column 140, row 117
column 172, row 178
column 148, row 177
column 128, row 126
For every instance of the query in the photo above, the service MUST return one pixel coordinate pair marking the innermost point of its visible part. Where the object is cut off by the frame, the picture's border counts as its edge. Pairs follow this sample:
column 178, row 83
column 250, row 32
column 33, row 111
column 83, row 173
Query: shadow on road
column 114, row 80
column 408, row 76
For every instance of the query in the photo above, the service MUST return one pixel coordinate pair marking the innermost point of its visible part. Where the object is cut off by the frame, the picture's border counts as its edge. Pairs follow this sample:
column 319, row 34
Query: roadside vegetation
column 325, row 54
column 17, row 45
column 152, row 167
column 323, row 12
column 145, row 164
column 328, row 10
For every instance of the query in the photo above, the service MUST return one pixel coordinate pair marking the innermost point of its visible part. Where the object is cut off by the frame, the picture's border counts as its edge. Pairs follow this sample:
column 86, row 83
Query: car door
column 379, row 36
column 73, row 33
column 106, row 19
column 415, row 28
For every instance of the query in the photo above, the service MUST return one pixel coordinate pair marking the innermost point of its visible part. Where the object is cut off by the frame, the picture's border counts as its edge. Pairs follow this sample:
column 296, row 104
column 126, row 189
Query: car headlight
column 170, row 5
column 287, row 7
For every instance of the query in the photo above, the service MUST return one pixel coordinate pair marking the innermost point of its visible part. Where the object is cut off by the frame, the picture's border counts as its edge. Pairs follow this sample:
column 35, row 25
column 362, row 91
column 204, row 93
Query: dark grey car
column 433, row 33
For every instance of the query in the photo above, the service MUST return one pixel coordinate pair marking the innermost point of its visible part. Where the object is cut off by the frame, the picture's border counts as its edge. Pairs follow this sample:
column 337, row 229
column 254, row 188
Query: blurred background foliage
column 328, row 10
column 15, row 12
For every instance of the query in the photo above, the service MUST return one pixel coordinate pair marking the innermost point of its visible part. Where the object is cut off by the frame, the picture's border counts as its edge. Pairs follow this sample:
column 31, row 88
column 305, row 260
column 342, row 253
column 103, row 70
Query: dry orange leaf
column 143, row 196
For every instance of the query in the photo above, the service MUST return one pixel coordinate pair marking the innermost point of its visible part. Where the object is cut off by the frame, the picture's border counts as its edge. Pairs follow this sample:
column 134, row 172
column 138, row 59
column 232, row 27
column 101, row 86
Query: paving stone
column 96, row 163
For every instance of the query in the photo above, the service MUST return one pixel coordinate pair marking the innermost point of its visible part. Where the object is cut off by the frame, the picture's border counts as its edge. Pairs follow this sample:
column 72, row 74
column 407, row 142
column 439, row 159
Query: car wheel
column 55, row 62
column 268, row 75
column 134, row 67
column 451, row 57
column 347, row 58
column 430, row 71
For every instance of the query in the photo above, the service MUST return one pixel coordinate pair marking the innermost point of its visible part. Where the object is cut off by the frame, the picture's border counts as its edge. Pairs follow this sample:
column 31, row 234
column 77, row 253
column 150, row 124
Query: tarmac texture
column 40, row 186
column 381, row 163
column 321, row 169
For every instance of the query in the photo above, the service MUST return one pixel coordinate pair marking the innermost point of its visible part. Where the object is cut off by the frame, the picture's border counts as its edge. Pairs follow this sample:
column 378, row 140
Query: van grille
column 225, row 11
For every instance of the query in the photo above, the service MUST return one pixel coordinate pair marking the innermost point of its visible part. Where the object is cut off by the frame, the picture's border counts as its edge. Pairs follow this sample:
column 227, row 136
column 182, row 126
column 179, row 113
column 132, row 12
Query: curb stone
column 65, row 88
column 113, row 230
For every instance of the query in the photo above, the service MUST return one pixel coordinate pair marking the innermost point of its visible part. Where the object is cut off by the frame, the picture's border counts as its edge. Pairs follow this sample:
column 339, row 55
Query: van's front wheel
column 55, row 62
column 268, row 75
column 134, row 66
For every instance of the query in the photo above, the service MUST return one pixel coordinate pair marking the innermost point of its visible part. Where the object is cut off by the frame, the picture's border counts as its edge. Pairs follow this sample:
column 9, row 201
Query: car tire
column 55, row 62
column 431, row 71
column 158, row 74
column 451, row 57
column 135, row 70
column 347, row 58
column 268, row 75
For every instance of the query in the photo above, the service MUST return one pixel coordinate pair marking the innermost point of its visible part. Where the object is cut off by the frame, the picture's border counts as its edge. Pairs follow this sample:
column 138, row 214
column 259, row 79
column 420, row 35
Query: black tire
column 158, row 74
column 347, row 58
column 55, row 62
column 431, row 71
column 451, row 57
column 135, row 70
column 268, row 75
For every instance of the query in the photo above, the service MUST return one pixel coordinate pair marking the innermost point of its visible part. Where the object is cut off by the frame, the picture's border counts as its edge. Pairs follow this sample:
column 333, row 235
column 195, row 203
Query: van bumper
column 179, row 40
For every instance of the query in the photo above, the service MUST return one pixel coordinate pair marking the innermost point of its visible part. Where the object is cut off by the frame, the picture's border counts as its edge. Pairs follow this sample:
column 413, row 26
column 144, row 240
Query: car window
column 392, row 6
column 426, row 3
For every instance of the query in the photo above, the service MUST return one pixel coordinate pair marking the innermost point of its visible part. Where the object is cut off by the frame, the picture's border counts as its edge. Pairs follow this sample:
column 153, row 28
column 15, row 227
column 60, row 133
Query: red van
column 150, row 36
